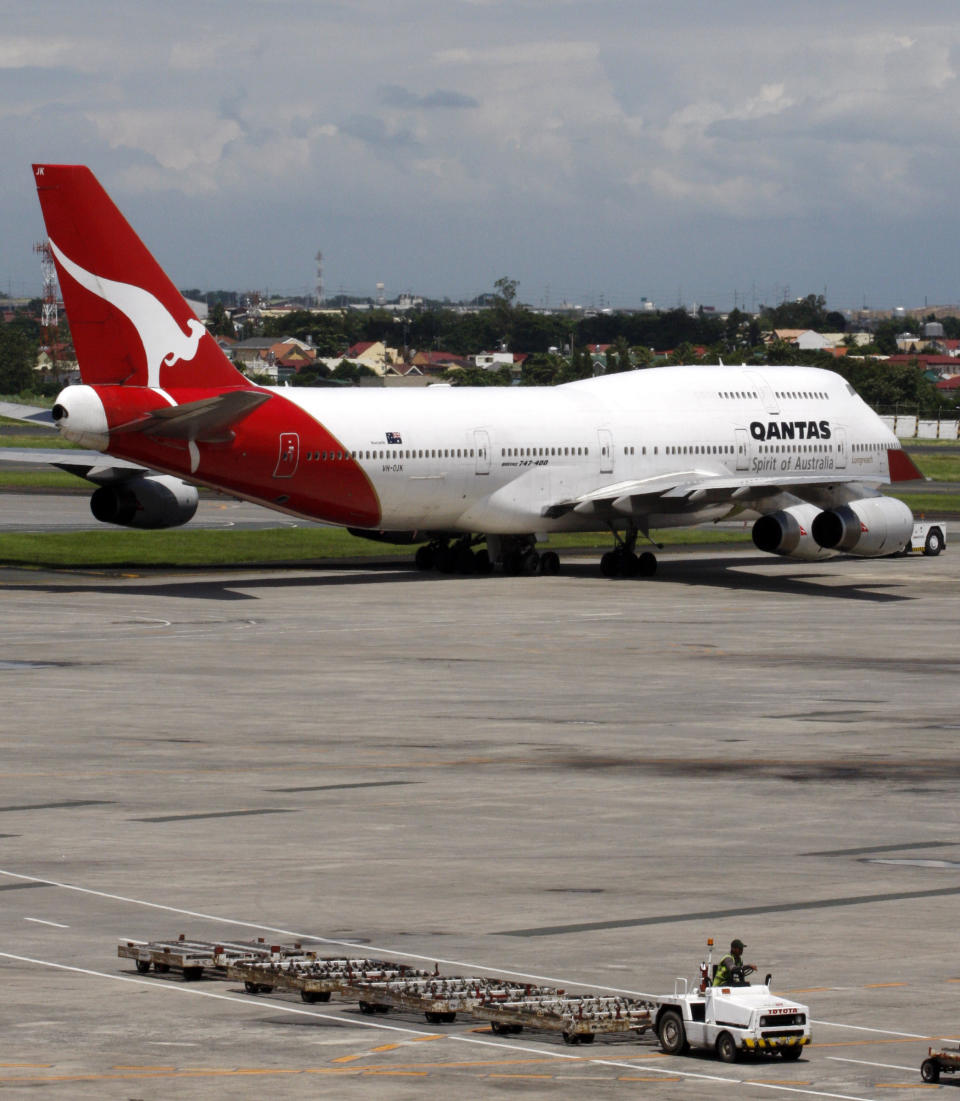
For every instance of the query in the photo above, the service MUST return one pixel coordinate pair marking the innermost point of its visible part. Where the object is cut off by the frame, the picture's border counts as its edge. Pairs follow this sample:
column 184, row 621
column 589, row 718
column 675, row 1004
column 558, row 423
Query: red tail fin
column 129, row 323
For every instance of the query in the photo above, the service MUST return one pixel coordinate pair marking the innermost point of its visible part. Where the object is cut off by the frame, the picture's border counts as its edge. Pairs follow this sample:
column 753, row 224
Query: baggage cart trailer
column 940, row 1061
column 379, row 986
column 194, row 957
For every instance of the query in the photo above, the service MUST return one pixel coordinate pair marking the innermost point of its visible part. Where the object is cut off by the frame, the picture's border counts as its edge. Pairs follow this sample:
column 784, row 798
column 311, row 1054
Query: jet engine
column 869, row 527
column 789, row 532
column 149, row 501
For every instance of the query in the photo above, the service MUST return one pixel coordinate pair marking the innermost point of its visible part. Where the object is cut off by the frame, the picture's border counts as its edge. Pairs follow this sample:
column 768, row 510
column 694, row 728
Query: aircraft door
column 481, row 443
column 605, row 440
column 289, row 456
column 743, row 448
column 840, row 435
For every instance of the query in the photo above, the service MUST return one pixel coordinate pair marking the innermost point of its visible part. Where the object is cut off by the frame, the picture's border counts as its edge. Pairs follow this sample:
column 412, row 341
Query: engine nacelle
column 789, row 532
column 149, row 501
column 869, row 527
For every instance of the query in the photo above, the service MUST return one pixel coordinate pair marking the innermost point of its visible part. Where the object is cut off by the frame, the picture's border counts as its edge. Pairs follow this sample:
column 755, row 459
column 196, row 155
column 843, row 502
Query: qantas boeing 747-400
column 473, row 474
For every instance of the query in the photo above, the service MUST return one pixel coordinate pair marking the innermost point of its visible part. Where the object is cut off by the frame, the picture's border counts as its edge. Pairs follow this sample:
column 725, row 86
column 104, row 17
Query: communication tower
column 319, row 286
column 49, row 299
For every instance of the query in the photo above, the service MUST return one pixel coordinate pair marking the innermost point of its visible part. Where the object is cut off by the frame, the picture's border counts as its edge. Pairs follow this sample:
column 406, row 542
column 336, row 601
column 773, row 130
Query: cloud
column 394, row 95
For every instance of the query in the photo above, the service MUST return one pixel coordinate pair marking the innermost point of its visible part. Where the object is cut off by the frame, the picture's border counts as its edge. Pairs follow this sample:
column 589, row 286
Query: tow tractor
column 731, row 1019
column 929, row 537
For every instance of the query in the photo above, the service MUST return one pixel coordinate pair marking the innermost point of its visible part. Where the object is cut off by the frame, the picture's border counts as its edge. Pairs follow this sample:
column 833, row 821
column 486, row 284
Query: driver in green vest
column 731, row 968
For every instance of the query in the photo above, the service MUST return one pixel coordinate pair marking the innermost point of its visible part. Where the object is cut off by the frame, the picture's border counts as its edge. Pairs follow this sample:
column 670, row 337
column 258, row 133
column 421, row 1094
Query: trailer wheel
column 436, row 1018
column 934, row 543
column 930, row 1070
column 793, row 1051
column 143, row 966
column 191, row 974
column 671, row 1033
column 571, row 1038
column 163, row 968
column 311, row 996
column 502, row 1028
column 587, row 1037
column 726, row 1048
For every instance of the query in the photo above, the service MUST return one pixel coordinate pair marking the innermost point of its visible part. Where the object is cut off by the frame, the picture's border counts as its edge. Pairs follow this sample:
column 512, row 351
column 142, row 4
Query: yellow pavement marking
column 520, row 1076
column 29, row 1066
column 881, row 985
column 137, row 1066
column 907, row 1086
column 386, row 1072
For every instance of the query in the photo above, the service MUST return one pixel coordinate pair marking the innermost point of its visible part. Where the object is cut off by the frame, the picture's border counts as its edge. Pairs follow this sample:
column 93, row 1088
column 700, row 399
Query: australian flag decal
column 394, row 437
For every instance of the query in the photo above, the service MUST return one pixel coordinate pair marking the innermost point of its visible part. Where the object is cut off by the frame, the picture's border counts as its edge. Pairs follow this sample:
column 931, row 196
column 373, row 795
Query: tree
column 220, row 323
column 17, row 358
column 345, row 371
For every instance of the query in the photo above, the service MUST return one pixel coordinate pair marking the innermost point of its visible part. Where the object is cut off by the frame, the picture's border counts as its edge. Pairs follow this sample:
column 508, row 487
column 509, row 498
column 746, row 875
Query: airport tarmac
column 565, row 778
column 41, row 512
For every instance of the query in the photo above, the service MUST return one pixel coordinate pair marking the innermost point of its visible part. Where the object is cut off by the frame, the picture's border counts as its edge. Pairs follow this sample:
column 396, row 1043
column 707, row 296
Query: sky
column 598, row 152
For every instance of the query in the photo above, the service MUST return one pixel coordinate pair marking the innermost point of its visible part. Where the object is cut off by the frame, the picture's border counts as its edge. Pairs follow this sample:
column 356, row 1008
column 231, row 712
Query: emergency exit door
column 289, row 456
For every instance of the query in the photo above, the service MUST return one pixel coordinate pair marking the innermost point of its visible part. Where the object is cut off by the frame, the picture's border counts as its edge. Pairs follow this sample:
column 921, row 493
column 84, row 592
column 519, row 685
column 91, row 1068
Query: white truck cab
column 731, row 1019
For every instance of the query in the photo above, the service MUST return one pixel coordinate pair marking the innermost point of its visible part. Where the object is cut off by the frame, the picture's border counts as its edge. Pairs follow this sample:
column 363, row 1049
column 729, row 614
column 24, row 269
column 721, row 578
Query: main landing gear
column 623, row 560
column 517, row 554
column 456, row 557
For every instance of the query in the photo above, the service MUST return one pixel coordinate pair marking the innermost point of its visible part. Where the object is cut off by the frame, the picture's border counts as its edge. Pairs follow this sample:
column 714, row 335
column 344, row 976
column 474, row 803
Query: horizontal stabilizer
column 95, row 466
column 29, row 414
column 206, row 421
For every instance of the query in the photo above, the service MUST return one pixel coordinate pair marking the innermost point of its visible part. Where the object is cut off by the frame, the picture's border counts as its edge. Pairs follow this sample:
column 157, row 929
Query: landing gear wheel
column 934, row 543
column 930, row 1070
column 423, row 559
column 610, row 564
column 143, row 966
column 791, row 1053
column 671, row 1033
column 550, row 563
column 530, row 563
column 464, row 559
column 482, row 563
column 726, row 1048
column 445, row 560
column 647, row 564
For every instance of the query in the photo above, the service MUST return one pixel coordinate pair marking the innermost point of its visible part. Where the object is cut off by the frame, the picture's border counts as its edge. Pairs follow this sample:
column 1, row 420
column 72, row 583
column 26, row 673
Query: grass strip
column 119, row 548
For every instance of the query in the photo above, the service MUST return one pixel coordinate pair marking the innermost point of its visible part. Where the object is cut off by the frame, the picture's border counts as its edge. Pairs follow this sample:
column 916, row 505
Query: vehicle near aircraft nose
column 473, row 474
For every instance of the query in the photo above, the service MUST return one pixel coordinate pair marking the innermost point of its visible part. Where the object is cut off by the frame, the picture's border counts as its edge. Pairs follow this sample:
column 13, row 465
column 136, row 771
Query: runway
column 565, row 778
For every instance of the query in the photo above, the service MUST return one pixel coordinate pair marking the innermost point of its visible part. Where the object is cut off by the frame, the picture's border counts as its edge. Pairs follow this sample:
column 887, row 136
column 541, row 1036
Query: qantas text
column 790, row 430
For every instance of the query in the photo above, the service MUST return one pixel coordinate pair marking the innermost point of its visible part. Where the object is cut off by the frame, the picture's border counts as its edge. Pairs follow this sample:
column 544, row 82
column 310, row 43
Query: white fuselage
column 494, row 459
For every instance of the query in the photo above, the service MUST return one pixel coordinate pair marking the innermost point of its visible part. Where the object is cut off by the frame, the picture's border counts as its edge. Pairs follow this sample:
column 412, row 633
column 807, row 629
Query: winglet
column 902, row 467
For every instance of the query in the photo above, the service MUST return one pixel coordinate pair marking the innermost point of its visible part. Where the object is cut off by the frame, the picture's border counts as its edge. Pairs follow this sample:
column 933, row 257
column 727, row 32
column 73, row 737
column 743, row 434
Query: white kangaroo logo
column 164, row 342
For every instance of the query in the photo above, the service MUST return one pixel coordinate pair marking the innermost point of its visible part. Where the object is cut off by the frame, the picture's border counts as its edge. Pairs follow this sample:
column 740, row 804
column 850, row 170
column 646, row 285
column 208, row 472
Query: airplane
column 474, row 475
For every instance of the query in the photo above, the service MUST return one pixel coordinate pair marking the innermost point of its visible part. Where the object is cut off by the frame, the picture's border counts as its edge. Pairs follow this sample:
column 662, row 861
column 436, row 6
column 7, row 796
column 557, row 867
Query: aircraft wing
column 697, row 487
